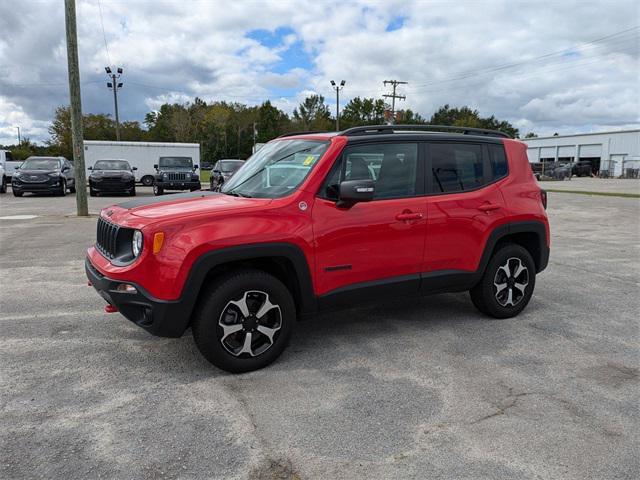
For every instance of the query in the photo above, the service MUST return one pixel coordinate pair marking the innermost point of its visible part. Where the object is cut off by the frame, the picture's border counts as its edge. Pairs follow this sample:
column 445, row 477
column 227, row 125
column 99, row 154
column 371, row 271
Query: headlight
column 17, row 174
column 165, row 175
column 136, row 243
column 54, row 174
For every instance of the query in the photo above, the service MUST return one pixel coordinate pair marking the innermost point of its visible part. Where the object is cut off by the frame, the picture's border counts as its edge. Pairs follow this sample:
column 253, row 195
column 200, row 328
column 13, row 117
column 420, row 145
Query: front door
column 376, row 243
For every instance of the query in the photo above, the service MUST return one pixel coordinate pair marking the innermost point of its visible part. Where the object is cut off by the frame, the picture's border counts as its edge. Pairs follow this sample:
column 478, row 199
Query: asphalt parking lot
column 425, row 388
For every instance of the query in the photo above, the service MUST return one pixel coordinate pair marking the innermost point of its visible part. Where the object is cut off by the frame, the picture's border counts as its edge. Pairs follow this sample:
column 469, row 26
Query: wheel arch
column 284, row 261
column 531, row 235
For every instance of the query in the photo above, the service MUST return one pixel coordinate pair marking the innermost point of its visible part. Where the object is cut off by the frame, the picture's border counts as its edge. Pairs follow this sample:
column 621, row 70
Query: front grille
column 107, row 238
column 33, row 178
column 176, row 176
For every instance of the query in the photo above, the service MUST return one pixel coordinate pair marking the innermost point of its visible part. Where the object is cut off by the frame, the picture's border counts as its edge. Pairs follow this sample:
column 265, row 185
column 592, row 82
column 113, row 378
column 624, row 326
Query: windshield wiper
column 237, row 194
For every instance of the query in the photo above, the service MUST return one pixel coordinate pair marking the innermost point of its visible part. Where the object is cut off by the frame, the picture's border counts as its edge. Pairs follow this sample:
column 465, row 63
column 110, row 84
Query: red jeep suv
column 317, row 221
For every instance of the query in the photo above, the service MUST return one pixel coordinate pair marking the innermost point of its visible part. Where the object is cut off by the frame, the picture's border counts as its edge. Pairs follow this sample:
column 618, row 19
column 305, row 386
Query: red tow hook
column 108, row 308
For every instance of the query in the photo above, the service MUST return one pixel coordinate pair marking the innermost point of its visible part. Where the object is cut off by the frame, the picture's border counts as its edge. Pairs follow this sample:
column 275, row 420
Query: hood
column 191, row 203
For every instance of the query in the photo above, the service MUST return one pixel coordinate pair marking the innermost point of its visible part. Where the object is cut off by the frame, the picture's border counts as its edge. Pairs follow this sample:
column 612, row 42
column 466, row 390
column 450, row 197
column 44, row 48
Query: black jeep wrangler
column 175, row 173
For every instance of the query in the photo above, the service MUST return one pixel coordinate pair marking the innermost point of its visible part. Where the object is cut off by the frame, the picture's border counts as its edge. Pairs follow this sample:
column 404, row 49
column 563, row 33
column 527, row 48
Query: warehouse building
column 611, row 153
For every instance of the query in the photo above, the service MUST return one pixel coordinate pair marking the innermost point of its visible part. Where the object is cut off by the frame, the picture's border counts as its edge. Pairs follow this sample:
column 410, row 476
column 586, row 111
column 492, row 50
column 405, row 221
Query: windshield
column 112, row 165
column 276, row 169
column 175, row 162
column 40, row 164
column 229, row 166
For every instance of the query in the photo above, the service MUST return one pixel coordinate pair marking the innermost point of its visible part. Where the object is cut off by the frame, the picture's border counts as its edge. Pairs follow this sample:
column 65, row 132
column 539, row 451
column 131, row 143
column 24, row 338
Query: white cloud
column 448, row 52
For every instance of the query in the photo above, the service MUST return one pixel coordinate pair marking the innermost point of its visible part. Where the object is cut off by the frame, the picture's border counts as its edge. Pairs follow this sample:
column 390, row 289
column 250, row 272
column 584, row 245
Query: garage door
column 567, row 151
column 548, row 152
column 589, row 151
column 532, row 153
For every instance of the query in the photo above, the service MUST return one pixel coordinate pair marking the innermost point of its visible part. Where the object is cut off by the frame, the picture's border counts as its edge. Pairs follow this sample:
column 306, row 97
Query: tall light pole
column 115, row 85
column 337, row 88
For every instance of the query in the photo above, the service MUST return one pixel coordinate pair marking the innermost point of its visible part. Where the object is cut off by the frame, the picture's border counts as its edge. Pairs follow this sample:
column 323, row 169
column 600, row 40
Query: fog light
column 126, row 288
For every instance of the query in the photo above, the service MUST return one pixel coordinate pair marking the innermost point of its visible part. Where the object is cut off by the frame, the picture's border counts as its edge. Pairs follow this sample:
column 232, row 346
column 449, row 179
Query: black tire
column 147, row 180
column 63, row 188
column 3, row 185
column 215, row 300
column 157, row 190
column 16, row 193
column 132, row 192
column 485, row 295
column 92, row 192
column 72, row 189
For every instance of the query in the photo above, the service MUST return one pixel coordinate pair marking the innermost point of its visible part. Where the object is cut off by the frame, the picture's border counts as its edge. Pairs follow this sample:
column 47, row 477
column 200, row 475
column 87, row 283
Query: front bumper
column 159, row 317
column 108, row 186
column 51, row 185
column 178, row 185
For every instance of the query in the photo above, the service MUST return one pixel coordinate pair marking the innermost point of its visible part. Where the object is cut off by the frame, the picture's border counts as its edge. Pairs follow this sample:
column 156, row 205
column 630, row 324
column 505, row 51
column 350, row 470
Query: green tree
column 531, row 135
column 362, row 111
column 466, row 117
column 313, row 114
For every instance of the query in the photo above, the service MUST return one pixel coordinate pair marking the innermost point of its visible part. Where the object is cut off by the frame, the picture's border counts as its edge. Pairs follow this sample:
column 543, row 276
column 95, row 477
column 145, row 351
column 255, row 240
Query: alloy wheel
column 510, row 282
column 249, row 325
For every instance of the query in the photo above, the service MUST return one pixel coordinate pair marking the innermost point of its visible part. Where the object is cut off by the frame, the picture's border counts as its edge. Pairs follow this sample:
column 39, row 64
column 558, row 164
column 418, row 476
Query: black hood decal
column 144, row 201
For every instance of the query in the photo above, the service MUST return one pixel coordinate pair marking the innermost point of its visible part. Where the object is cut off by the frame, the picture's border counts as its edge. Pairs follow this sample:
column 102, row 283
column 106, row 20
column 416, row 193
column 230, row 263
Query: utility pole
column 76, row 107
column 255, row 134
column 394, row 84
column 337, row 88
column 115, row 85
column 19, row 139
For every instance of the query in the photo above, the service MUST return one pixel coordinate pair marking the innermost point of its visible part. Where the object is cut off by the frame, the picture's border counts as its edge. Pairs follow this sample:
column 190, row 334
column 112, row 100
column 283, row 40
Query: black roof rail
column 382, row 129
column 302, row 132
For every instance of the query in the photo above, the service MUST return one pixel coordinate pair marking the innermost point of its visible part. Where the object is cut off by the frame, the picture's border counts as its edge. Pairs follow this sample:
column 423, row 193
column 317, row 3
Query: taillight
column 543, row 197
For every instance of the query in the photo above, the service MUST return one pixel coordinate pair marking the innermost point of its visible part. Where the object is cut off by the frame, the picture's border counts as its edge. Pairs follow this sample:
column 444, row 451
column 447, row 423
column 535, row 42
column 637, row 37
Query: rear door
column 464, row 202
column 381, row 242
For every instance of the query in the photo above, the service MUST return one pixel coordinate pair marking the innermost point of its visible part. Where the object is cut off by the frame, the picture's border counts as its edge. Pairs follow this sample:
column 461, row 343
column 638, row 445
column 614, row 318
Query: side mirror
column 16, row 168
column 354, row 191
column 155, row 166
column 65, row 169
column 89, row 168
column 195, row 167
column 217, row 171
column 134, row 168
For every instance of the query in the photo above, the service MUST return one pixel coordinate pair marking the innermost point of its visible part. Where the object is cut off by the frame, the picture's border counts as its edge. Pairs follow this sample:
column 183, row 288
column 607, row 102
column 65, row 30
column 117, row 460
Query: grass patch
column 602, row 194
column 204, row 176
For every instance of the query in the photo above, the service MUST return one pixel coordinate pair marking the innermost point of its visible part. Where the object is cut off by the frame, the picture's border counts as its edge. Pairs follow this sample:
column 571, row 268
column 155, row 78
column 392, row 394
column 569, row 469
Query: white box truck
column 143, row 155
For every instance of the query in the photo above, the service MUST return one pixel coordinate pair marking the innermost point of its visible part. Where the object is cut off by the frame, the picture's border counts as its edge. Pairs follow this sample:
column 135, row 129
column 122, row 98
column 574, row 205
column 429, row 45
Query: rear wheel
column 72, row 188
column 507, row 284
column 244, row 321
column 147, row 180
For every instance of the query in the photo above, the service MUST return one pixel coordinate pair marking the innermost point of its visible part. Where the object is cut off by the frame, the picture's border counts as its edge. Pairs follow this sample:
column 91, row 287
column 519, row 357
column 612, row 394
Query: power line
column 104, row 36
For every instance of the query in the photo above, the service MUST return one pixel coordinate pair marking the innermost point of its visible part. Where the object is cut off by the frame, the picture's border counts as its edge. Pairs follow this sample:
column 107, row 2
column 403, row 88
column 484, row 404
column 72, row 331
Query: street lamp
column 337, row 88
column 114, row 85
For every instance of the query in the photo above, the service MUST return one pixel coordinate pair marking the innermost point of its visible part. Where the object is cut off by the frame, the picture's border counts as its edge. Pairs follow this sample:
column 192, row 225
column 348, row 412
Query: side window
column 8, row 157
column 498, row 161
column 456, row 167
column 392, row 167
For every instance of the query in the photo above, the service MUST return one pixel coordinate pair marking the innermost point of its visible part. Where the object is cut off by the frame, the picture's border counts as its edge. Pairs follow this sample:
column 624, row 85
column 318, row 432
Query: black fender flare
column 214, row 258
column 540, row 257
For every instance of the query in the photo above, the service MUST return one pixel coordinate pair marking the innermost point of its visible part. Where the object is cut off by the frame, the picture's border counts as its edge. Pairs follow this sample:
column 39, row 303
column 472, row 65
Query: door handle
column 406, row 216
column 487, row 207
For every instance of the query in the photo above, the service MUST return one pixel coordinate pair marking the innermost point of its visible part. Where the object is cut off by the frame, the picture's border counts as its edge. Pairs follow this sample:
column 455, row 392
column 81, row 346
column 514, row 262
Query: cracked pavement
column 420, row 388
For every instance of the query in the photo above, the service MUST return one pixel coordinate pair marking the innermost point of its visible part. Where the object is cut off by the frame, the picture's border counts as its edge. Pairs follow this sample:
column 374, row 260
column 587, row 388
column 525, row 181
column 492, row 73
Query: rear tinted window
column 456, row 167
column 498, row 161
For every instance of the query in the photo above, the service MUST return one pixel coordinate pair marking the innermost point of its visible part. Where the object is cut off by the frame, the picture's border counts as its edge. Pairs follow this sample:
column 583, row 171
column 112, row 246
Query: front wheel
column 244, row 321
column 507, row 284
column 3, row 185
column 63, row 188
column 157, row 190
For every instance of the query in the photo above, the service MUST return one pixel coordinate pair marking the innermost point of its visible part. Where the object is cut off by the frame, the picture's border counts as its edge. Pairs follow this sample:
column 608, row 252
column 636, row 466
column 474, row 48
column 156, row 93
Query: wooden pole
column 76, row 108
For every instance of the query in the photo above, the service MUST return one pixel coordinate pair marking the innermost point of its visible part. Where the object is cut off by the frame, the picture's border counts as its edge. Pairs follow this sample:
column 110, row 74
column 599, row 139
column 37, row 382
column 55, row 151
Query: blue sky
column 498, row 56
